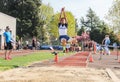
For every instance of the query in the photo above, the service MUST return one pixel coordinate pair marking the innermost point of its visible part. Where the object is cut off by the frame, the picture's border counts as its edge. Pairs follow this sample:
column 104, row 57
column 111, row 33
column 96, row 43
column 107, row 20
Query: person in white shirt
column 63, row 26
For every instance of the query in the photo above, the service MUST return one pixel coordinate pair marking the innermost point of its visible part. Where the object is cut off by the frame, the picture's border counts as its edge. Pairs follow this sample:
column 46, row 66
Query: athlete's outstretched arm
column 65, row 16
column 61, row 14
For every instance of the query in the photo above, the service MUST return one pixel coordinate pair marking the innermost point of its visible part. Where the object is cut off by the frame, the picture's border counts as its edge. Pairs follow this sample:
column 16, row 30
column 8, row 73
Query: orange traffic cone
column 56, row 58
column 91, row 58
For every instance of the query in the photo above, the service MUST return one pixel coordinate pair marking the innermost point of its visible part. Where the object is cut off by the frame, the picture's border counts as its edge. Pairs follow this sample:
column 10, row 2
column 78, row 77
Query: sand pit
column 54, row 74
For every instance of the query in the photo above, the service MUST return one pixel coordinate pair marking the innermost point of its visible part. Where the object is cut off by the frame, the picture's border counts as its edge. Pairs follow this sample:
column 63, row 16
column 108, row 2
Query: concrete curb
column 112, row 75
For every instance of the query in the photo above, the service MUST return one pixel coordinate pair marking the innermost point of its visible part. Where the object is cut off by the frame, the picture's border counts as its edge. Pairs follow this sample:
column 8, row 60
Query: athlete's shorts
column 64, row 36
column 8, row 46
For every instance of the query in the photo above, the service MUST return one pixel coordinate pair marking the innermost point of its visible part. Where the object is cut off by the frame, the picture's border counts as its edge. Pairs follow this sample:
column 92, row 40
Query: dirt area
column 107, row 61
column 55, row 74
column 47, row 72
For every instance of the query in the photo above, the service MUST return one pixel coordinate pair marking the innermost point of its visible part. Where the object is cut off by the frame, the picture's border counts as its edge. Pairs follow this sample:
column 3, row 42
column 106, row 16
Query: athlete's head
column 7, row 28
column 106, row 36
column 63, row 21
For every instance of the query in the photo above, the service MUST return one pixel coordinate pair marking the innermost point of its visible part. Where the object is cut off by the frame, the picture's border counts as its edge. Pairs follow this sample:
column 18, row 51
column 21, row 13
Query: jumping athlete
column 63, row 26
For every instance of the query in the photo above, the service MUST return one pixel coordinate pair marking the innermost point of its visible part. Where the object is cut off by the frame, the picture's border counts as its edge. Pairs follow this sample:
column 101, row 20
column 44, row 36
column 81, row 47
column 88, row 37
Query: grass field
column 26, row 60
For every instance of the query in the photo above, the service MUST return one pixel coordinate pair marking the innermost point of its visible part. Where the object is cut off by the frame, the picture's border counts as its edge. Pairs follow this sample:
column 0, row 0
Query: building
column 6, row 20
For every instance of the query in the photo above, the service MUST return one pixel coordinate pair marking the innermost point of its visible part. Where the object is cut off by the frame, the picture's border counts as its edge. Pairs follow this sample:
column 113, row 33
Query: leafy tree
column 118, row 36
column 46, row 13
column 54, row 25
column 92, row 21
column 26, row 12
column 114, row 16
column 99, row 34
column 98, row 29
column 82, row 29
column 96, row 35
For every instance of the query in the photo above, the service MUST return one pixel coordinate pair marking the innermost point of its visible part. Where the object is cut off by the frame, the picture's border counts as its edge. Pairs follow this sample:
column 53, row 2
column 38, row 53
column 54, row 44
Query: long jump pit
column 55, row 74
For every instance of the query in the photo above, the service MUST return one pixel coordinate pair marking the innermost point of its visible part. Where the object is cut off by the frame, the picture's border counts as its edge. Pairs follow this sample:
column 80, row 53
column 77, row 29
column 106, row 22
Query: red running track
column 18, row 53
column 79, row 59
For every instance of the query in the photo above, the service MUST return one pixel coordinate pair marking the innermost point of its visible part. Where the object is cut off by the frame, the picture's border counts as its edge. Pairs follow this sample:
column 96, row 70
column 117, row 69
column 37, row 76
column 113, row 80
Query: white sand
column 54, row 74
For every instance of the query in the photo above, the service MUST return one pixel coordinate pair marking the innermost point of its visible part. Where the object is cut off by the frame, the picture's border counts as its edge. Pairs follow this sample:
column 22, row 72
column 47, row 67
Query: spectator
column 106, row 42
column 115, row 46
column 27, row 44
column 34, row 43
column 18, row 45
column 8, row 43
column 38, row 45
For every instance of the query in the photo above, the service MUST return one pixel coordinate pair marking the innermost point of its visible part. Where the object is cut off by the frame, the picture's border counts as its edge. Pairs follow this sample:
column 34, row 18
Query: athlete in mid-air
column 63, row 27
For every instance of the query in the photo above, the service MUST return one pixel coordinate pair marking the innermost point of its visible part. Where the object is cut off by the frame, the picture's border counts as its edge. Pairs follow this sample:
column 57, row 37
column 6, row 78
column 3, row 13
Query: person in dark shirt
column 34, row 43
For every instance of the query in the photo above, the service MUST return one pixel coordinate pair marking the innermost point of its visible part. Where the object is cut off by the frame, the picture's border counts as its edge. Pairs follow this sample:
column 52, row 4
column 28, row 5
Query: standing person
column 8, row 44
column 106, row 42
column 27, row 44
column 34, row 43
column 73, row 43
column 63, row 26
column 38, row 45
column 115, row 46
column 90, row 45
column 67, row 46
column 18, row 45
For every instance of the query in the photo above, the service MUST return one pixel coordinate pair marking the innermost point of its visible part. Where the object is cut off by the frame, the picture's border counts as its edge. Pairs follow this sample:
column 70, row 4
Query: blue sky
column 80, row 7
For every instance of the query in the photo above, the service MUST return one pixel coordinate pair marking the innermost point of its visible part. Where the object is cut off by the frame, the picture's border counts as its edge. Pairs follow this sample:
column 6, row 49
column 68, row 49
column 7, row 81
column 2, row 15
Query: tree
column 26, row 12
column 99, row 34
column 98, row 29
column 45, row 14
column 118, row 36
column 54, row 25
column 92, row 21
column 114, row 16
column 82, row 29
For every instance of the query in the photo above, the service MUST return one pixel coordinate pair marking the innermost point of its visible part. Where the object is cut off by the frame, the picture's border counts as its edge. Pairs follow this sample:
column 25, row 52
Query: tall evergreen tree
column 98, row 29
column 92, row 20
column 82, row 29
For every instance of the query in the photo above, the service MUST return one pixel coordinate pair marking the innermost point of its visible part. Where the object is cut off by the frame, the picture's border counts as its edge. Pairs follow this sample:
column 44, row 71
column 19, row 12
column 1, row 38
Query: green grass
column 26, row 60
